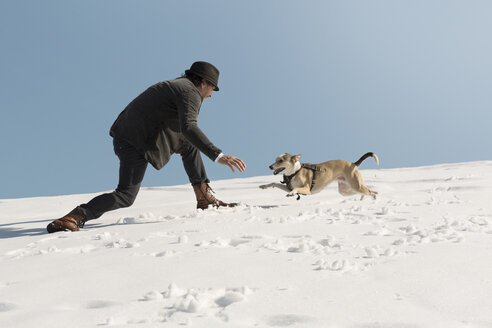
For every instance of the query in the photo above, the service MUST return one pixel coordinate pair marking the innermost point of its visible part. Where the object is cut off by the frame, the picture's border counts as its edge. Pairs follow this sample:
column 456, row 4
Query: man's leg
column 193, row 164
column 132, row 171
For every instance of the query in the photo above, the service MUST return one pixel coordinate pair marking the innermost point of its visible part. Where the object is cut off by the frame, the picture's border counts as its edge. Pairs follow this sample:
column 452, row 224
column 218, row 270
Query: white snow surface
column 420, row 255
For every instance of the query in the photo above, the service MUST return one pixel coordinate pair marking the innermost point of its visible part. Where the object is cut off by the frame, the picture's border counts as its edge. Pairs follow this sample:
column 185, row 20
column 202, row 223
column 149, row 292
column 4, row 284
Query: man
column 161, row 121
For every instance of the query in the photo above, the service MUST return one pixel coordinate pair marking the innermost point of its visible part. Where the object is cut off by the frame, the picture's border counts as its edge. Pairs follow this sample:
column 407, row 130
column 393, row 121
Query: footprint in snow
column 166, row 253
column 342, row 266
column 4, row 284
column 200, row 300
column 237, row 242
column 99, row 304
column 252, row 237
column 6, row 307
column 371, row 253
column 122, row 243
column 285, row 320
column 152, row 296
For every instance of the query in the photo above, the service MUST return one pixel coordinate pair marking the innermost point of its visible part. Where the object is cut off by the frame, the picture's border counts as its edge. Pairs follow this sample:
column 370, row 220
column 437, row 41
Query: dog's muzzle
column 277, row 171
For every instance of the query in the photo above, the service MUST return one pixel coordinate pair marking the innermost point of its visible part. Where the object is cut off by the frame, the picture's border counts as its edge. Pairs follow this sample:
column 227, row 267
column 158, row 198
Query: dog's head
column 285, row 163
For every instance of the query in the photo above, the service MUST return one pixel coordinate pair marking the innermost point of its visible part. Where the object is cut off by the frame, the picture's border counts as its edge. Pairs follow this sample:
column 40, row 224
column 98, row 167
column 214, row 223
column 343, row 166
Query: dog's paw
column 290, row 194
column 264, row 186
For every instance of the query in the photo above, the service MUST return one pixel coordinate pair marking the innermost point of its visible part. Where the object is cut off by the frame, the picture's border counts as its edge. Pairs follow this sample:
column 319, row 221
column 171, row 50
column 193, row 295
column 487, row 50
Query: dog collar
column 288, row 179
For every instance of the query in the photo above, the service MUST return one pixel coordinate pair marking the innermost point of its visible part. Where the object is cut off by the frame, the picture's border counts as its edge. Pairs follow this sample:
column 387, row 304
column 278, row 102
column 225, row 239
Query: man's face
column 206, row 90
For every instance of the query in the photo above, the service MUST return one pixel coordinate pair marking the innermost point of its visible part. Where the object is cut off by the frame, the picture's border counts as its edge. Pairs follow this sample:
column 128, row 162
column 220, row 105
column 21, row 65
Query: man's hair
column 195, row 79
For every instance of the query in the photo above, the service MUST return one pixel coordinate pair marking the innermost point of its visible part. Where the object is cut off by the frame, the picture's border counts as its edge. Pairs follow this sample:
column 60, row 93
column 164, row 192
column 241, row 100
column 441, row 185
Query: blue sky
column 408, row 80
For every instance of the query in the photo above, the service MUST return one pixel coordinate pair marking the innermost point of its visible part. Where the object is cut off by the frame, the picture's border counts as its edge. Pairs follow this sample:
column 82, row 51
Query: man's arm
column 188, row 109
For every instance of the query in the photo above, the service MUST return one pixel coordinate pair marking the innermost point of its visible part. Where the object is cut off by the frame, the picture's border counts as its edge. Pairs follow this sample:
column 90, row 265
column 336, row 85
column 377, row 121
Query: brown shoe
column 70, row 222
column 204, row 197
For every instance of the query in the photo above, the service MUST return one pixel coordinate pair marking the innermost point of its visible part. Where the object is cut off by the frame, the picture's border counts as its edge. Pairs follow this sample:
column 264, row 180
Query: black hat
column 206, row 71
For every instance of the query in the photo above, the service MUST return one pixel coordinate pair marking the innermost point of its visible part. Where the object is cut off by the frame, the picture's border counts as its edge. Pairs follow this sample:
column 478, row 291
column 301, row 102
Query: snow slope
column 418, row 256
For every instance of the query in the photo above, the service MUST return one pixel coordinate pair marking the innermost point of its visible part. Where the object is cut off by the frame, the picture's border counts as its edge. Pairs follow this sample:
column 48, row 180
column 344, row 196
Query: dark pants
column 132, row 171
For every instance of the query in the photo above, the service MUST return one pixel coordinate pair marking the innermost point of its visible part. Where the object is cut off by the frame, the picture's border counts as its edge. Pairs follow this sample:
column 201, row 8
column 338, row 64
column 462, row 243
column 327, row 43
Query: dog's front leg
column 275, row 185
column 302, row 191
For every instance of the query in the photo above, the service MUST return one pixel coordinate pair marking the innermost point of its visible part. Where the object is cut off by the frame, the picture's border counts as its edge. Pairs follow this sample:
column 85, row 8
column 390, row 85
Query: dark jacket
column 162, row 119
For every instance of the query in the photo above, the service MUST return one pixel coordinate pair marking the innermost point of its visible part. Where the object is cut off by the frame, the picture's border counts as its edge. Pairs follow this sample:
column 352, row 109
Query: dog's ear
column 296, row 157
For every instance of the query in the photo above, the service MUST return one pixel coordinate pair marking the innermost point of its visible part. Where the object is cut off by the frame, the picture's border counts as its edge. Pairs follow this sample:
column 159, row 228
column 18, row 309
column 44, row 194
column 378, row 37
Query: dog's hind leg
column 366, row 191
column 344, row 188
column 358, row 186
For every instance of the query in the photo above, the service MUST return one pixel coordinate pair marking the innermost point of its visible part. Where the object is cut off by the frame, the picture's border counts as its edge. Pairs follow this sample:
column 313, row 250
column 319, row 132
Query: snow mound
column 417, row 256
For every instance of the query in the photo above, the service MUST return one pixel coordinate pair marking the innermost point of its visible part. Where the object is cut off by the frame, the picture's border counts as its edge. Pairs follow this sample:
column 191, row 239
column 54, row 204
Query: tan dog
column 307, row 179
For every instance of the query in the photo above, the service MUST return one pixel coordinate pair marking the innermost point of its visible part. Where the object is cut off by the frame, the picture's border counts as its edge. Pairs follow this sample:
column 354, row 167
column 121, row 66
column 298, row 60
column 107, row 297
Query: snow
column 420, row 255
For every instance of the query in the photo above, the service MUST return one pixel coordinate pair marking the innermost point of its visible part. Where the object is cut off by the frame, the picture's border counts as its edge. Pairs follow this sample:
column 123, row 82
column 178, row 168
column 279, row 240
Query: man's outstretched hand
column 232, row 161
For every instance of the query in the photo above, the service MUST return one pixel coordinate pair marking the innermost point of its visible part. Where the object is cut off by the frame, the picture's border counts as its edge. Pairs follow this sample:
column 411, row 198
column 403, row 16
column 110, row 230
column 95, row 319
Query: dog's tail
column 359, row 162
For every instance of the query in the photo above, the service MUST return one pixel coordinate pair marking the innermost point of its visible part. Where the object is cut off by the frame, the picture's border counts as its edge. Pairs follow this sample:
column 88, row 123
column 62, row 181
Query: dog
column 307, row 179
